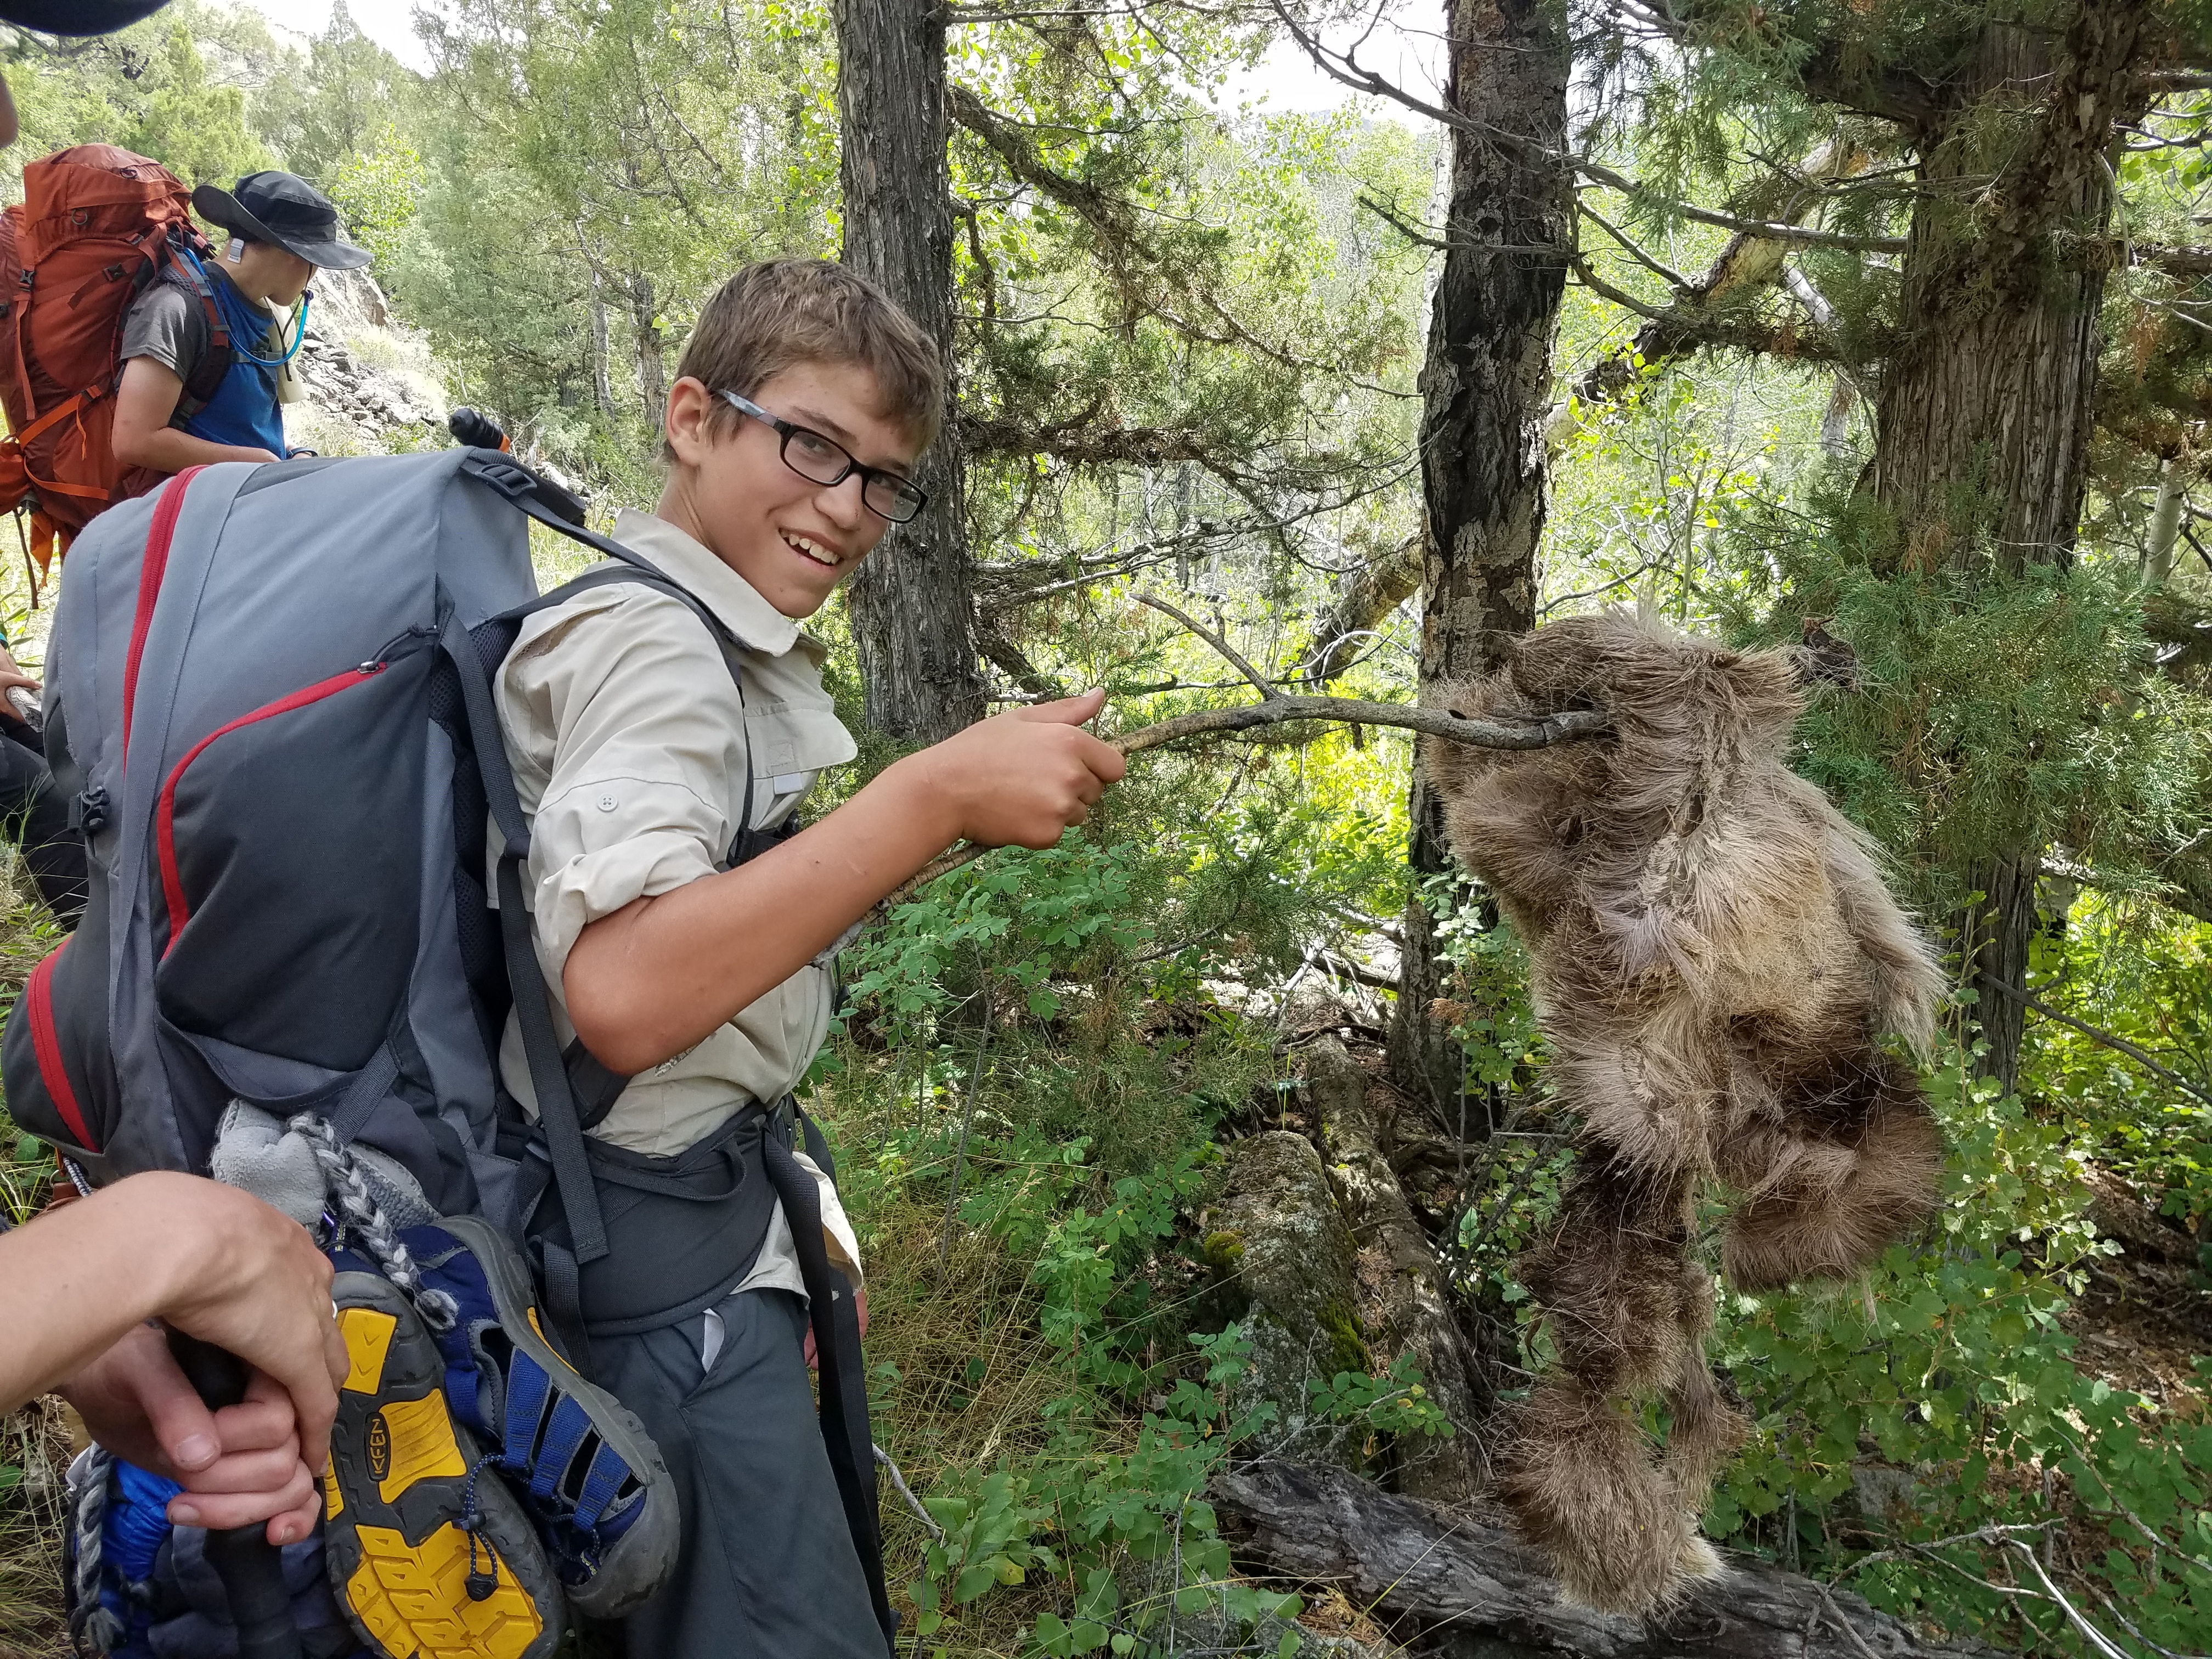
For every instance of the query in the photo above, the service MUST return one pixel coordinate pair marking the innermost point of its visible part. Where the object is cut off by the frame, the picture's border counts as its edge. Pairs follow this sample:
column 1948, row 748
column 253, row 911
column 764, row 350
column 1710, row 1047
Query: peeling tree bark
column 1457, row 1583
column 914, row 615
column 1485, row 390
column 1404, row 1303
column 1745, row 265
column 1367, row 599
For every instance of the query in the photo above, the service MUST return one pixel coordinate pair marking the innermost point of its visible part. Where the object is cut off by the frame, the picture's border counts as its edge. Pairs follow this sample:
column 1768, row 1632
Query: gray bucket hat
column 284, row 208
column 77, row 17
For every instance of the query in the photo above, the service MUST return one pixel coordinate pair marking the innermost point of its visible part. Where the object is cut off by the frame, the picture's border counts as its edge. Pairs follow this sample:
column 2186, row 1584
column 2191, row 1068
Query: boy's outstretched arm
column 652, row 979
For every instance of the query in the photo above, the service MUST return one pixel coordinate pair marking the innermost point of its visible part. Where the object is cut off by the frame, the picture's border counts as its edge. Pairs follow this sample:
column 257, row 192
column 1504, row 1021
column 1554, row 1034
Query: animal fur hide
column 1715, row 956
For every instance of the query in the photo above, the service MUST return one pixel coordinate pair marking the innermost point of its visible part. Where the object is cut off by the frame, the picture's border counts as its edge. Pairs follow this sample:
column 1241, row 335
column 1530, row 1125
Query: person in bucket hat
column 281, row 230
column 285, row 210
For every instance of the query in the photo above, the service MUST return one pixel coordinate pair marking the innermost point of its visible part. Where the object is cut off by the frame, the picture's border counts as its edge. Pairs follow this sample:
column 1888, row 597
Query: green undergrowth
column 34, row 1447
column 1037, row 1057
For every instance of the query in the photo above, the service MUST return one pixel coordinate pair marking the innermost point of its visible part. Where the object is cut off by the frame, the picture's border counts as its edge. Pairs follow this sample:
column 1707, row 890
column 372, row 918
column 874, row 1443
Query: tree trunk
column 603, row 391
column 914, row 617
column 651, row 349
column 1983, row 422
column 1485, row 387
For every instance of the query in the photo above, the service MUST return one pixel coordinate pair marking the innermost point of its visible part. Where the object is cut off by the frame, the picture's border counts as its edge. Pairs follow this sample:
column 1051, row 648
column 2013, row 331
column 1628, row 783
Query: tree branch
column 1372, row 593
column 1566, row 727
column 1675, row 332
column 1772, row 230
column 2174, row 261
column 1229, row 653
column 2117, row 1044
column 1666, row 273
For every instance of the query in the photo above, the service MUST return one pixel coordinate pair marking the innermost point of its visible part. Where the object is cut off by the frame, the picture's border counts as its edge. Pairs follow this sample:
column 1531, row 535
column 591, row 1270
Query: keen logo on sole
column 380, row 1449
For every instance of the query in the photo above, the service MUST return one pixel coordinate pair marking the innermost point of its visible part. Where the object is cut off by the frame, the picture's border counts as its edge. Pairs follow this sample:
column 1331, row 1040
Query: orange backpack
column 96, row 226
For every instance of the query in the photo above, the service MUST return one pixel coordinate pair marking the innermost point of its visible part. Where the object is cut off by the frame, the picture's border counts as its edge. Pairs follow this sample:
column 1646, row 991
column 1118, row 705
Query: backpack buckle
column 518, row 482
column 510, row 478
column 92, row 810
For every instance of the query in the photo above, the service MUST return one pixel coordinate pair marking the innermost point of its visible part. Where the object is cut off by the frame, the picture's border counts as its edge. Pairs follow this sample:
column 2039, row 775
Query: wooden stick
column 1278, row 709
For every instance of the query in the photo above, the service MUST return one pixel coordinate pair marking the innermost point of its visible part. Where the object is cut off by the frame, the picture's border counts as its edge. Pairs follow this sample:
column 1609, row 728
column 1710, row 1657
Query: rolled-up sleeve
column 645, row 724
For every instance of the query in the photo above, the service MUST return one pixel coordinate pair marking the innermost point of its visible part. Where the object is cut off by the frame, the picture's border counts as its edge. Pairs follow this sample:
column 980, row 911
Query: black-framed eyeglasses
column 825, row 461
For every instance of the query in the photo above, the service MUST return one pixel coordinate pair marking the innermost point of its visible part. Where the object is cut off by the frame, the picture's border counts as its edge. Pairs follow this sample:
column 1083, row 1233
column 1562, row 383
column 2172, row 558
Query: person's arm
column 653, row 978
column 144, row 405
column 205, row 1258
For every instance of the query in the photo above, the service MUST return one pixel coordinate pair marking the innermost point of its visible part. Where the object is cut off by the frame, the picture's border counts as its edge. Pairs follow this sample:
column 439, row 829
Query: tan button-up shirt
column 631, row 745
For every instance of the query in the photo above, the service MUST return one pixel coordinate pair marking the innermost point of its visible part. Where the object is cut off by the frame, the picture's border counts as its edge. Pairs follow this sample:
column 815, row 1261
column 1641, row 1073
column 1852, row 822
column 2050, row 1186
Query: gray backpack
column 269, row 700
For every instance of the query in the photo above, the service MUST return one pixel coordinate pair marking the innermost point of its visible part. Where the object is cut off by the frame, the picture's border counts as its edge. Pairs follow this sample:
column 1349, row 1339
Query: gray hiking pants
column 768, row 1570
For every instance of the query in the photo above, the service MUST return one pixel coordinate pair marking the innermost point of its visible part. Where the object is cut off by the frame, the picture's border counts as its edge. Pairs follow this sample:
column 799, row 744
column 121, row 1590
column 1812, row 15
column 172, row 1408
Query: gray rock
column 1883, row 1492
column 347, row 301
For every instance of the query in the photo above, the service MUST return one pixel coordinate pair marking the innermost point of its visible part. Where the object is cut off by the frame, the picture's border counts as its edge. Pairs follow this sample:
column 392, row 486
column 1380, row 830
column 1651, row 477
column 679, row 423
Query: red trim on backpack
column 46, row 1044
column 152, row 566
column 165, row 835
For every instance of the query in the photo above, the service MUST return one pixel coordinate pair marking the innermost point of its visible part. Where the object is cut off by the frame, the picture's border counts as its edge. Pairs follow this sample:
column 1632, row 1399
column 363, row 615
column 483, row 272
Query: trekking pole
column 478, row 430
column 250, row 1567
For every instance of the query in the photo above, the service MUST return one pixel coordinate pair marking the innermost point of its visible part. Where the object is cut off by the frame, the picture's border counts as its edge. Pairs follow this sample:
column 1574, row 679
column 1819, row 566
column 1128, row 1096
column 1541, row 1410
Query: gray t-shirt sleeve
column 167, row 325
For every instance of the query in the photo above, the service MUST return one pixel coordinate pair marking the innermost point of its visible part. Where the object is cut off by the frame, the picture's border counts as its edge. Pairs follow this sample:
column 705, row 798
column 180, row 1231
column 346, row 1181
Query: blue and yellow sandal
column 430, row 1555
column 582, row 1466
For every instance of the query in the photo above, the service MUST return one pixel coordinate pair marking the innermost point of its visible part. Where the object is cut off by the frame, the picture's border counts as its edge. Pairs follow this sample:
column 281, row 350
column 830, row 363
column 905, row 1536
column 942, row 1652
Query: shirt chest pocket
column 790, row 742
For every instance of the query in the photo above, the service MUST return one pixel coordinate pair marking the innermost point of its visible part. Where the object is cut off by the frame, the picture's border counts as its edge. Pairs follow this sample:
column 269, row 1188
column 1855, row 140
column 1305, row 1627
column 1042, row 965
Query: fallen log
column 1455, row 1582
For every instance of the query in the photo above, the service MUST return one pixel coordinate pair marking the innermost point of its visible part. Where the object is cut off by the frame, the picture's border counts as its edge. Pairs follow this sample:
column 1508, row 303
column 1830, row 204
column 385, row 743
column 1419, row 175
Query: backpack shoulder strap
column 573, row 1088
column 207, row 374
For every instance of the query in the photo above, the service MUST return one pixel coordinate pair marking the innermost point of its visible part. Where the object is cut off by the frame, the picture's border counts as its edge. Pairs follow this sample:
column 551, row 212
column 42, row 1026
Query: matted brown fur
column 1715, row 956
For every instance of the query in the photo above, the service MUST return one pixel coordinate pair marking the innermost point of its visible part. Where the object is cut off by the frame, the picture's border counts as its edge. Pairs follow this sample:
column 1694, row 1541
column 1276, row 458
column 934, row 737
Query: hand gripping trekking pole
column 251, row 1568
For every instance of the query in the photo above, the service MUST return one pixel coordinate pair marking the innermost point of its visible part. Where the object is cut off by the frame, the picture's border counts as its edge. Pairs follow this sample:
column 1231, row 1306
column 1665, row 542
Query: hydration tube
column 245, row 353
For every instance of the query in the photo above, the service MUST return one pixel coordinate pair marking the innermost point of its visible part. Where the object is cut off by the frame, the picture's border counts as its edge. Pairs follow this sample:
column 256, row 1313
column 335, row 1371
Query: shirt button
column 606, row 803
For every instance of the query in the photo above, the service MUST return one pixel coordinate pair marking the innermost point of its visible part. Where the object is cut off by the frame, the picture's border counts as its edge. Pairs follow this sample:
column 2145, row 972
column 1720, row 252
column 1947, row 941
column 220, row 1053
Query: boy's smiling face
column 792, row 539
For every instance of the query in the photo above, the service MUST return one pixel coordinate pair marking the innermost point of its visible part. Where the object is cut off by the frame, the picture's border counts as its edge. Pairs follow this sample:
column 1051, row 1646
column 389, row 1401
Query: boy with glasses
column 685, row 928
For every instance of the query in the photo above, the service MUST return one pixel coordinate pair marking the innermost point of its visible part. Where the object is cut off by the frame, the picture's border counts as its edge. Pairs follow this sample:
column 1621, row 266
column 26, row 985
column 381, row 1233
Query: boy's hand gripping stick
column 251, row 1568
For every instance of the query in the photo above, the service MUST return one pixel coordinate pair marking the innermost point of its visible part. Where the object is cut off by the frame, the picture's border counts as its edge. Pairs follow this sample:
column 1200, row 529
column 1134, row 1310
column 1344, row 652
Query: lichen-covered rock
column 1401, row 1294
column 1283, row 1258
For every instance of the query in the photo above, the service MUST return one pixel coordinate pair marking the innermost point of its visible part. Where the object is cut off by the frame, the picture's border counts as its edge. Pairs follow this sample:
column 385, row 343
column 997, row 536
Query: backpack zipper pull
column 383, row 657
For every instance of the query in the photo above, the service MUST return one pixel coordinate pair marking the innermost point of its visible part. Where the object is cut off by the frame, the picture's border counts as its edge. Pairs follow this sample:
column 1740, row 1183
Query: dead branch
column 1229, row 653
column 2118, row 1045
column 1371, row 594
column 1457, row 1578
column 1355, row 711
column 1766, row 230
column 1278, row 710
column 1276, row 707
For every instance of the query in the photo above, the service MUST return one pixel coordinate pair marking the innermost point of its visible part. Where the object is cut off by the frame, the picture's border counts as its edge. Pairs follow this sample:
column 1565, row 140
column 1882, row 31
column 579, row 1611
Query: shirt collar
column 735, row 602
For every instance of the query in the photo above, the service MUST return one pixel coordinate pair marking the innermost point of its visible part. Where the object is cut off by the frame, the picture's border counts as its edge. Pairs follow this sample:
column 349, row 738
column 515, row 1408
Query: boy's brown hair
column 779, row 314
